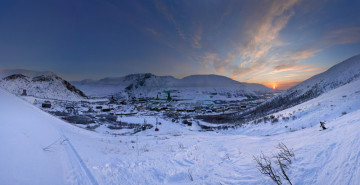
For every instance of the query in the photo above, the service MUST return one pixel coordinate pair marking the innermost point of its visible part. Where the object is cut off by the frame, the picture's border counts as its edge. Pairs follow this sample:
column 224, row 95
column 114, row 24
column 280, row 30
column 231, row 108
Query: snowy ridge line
column 82, row 163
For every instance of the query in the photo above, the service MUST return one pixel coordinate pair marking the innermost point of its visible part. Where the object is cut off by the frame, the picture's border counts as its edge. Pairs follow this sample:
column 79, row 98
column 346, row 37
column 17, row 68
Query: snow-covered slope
column 38, row 148
column 34, row 149
column 48, row 86
column 327, row 107
column 149, row 85
column 338, row 75
column 30, row 73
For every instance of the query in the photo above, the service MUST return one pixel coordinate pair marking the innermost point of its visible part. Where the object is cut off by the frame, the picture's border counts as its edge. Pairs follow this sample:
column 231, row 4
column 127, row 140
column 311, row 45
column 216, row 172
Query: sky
column 272, row 42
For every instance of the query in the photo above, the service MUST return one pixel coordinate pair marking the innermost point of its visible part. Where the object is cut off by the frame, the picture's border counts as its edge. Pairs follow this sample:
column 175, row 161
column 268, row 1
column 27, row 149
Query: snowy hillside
column 338, row 75
column 29, row 73
column 327, row 107
column 48, row 86
column 149, row 85
column 41, row 149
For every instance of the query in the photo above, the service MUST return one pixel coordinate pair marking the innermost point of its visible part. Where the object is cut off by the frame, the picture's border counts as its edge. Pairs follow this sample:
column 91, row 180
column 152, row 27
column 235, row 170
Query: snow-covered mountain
column 149, row 85
column 338, row 75
column 29, row 73
column 47, row 85
column 42, row 149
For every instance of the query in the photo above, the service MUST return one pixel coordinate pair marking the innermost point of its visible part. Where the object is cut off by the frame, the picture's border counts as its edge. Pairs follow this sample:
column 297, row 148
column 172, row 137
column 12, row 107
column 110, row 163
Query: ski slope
column 38, row 148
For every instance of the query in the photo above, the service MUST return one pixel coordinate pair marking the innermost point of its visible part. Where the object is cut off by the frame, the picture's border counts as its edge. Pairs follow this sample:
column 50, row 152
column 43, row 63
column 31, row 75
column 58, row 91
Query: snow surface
column 78, row 156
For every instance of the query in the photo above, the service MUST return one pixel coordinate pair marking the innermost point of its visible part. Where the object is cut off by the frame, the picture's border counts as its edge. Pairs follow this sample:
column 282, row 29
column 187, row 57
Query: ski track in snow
column 76, row 159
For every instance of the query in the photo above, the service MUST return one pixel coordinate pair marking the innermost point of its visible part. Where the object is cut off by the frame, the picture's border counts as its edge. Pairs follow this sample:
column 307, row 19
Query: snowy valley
column 202, row 129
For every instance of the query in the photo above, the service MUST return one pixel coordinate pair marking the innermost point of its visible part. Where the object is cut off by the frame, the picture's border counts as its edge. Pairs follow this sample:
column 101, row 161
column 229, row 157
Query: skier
column 322, row 125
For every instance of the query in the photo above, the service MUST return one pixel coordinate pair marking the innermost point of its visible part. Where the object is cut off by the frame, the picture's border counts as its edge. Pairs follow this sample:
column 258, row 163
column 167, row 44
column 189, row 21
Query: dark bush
column 79, row 119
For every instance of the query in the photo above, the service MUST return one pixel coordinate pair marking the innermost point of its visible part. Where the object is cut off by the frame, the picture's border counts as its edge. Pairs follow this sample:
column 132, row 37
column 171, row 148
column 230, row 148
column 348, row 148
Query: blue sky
column 278, row 42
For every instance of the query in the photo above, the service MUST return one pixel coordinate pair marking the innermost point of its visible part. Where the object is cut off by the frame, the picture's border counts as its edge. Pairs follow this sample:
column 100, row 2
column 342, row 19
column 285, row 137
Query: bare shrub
column 265, row 167
column 227, row 156
column 275, row 120
column 286, row 118
column 190, row 175
column 181, row 146
column 145, row 148
column 283, row 158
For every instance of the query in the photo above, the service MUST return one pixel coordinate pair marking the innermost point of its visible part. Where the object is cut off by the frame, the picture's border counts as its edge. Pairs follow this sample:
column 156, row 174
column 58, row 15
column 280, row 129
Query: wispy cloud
column 162, row 8
column 257, row 48
column 265, row 31
column 153, row 32
column 289, row 60
column 342, row 36
column 262, row 29
column 196, row 38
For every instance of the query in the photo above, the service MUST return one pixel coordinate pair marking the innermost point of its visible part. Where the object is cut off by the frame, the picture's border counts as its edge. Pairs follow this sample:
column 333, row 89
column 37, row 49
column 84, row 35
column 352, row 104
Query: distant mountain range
column 146, row 85
column 190, row 87
column 194, row 87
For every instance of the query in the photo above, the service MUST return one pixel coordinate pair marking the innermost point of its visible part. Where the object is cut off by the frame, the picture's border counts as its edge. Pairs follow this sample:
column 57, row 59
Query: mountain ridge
column 46, row 85
column 147, row 82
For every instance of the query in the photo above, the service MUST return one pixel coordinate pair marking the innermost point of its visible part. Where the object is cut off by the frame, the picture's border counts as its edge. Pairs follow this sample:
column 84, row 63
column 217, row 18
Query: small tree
column 168, row 96
column 283, row 158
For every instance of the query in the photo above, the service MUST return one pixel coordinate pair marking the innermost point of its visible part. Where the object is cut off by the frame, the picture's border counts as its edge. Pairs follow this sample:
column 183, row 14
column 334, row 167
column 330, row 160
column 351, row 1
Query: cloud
column 161, row 7
column 287, row 67
column 152, row 32
column 195, row 40
column 255, row 49
column 302, row 54
column 265, row 31
column 291, row 59
column 312, row 69
column 209, row 59
column 260, row 30
column 342, row 36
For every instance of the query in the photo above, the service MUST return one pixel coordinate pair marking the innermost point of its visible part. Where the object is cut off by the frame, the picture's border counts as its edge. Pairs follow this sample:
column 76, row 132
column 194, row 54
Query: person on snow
column 322, row 125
